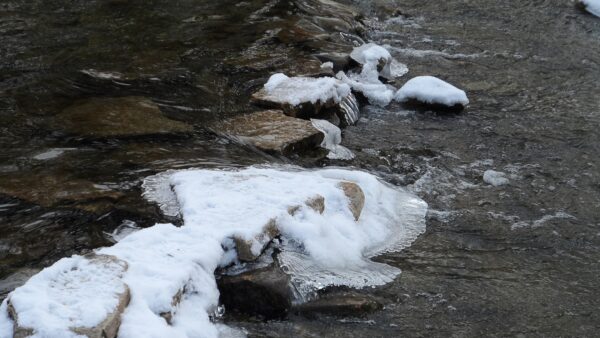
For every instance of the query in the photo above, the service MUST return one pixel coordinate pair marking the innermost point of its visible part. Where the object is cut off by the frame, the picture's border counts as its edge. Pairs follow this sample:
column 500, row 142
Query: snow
column 495, row 178
column 6, row 325
column 592, row 6
column 431, row 90
column 297, row 90
column 74, row 292
column 370, row 54
column 332, row 140
column 216, row 205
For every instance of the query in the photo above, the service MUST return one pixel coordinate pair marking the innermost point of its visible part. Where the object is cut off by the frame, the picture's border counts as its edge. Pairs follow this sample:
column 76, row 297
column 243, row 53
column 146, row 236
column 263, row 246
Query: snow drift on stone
column 431, row 90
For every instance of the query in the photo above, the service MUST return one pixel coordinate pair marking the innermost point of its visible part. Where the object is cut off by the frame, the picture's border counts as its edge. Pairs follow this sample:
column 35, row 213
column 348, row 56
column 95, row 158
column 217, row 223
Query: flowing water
column 518, row 259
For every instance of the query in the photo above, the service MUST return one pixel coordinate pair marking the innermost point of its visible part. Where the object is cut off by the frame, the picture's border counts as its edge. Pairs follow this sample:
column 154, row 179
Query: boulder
column 356, row 197
column 263, row 292
column 117, row 117
column 273, row 132
column 71, row 278
column 250, row 250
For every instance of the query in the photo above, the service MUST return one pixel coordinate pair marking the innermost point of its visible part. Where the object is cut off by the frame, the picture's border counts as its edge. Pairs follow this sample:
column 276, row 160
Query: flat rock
column 356, row 198
column 117, row 117
column 273, row 132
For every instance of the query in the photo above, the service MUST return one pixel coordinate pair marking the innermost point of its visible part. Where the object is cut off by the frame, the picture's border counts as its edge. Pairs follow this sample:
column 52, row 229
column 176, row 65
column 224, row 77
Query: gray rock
column 117, row 117
column 273, row 132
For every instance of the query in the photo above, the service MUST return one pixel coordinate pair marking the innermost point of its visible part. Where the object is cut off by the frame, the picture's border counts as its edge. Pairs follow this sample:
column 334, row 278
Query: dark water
column 520, row 259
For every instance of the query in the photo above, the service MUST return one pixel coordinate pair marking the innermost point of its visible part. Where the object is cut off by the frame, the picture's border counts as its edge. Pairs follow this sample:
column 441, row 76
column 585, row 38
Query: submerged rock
column 305, row 97
column 273, row 132
column 117, row 117
column 432, row 93
column 82, row 295
column 48, row 190
column 339, row 304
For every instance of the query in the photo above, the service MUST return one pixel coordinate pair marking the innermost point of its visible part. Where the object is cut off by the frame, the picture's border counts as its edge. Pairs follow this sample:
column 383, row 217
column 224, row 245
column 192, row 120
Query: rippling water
column 520, row 259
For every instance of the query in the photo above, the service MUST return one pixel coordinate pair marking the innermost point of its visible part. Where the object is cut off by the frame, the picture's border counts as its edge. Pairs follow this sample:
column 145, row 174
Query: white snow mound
column 495, row 178
column 431, row 90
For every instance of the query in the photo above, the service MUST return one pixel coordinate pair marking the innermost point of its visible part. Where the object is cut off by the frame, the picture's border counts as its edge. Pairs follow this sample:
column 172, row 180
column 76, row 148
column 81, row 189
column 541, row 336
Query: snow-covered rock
column 81, row 295
column 431, row 91
column 171, row 269
column 307, row 97
column 592, row 6
column 373, row 54
column 495, row 178
column 332, row 140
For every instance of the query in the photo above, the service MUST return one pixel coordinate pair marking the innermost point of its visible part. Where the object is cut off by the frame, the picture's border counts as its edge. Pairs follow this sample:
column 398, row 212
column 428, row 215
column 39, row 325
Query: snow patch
column 296, row 90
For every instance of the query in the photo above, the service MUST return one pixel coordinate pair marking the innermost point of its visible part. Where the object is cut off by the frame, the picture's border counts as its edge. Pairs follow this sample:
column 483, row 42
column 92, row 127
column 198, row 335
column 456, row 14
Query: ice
column 369, row 85
column 332, row 140
column 297, row 90
column 495, row 178
column 592, row 6
column 51, row 154
column 164, row 260
column 126, row 228
column 431, row 90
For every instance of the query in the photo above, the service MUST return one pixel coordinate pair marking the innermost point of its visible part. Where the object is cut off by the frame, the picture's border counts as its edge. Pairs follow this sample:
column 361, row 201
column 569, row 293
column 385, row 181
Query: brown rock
column 273, row 132
column 356, row 197
column 168, row 316
column 317, row 203
column 117, row 117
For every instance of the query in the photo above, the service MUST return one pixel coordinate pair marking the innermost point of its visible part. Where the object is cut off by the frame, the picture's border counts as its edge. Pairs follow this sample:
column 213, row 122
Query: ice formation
column 164, row 260
column 592, row 6
column 431, row 90
column 495, row 178
column 296, row 90
column 332, row 140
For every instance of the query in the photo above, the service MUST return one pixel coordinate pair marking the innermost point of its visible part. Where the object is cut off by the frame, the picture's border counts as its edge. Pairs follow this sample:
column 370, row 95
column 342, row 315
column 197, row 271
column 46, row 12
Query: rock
column 355, row 196
column 273, row 132
column 296, row 97
column 250, row 250
column 168, row 316
column 339, row 304
column 117, row 117
column 48, row 190
column 106, row 266
column 341, row 61
column 263, row 292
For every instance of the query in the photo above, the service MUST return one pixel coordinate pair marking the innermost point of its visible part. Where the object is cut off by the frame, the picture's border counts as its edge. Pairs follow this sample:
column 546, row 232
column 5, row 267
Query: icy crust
column 297, row 90
column 75, row 292
column 495, row 178
column 332, row 140
column 592, row 6
column 431, row 90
